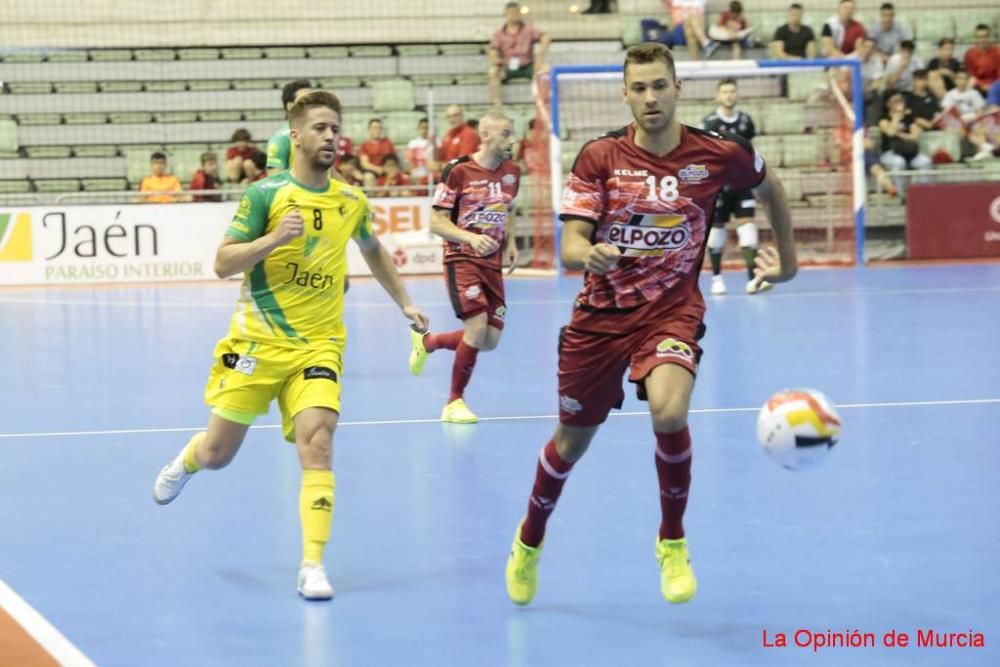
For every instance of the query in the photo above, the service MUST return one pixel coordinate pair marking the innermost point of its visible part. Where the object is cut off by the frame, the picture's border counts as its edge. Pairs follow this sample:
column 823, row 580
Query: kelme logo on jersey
column 650, row 235
column 693, row 173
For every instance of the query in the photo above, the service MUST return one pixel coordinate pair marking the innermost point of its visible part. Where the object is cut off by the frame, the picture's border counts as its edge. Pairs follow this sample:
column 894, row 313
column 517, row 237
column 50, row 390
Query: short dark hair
column 158, row 156
column 907, row 45
column 650, row 52
column 423, row 120
column 317, row 98
column 349, row 158
column 945, row 40
column 795, row 5
column 372, row 121
column 922, row 73
column 391, row 156
column 259, row 159
column 982, row 26
column 512, row 5
column 887, row 6
column 241, row 134
column 208, row 157
column 736, row 7
column 726, row 81
column 290, row 89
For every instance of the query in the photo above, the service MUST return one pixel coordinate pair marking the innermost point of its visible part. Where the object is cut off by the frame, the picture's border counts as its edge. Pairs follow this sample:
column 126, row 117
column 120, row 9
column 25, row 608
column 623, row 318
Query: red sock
column 461, row 371
column 550, row 476
column 443, row 341
column 673, row 468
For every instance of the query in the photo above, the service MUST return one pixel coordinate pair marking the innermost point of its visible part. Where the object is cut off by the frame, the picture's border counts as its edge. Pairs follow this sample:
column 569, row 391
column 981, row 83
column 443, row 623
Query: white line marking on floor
column 396, row 422
column 53, row 641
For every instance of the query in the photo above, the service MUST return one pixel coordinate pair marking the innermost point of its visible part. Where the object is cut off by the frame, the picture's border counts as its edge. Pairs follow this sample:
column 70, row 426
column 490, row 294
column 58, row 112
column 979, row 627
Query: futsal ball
column 798, row 427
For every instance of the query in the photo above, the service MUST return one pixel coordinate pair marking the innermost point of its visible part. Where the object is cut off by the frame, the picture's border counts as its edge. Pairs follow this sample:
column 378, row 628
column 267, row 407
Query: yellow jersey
column 295, row 296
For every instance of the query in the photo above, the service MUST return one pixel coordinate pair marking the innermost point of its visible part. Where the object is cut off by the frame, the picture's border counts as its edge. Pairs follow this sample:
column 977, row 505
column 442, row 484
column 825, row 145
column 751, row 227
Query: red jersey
column 479, row 200
column 657, row 211
column 459, row 141
column 377, row 149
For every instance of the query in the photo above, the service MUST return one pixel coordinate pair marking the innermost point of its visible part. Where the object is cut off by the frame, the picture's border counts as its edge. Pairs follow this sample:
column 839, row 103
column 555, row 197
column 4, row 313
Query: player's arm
column 380, row 263
column 442, row 225
column 781, row 265
column 278, row 151
column 245, row 243
column 580, row 252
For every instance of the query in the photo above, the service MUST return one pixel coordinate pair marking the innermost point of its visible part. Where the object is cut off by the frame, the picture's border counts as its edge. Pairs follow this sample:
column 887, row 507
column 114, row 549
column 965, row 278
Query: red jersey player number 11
column 637, row 209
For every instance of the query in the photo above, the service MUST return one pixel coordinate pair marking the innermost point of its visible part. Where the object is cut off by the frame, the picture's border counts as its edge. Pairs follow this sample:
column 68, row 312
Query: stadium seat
column 930, row 27
column 198, row 54
column 15, row 187
column 57, row 185
column 8, row 136
column 131, row 117
column 276, row 115
column 801, row 150
column 371, row 51
column 279, row 52
column 29, row 87
column 392, row 95
column 95, row 151
column 175, row 117
column 85, row 118
column 104, row 184
column 242, row 53
column 631, row 28
column 209, row 85
column 770, row 147
column 185, row 161
column 228, row 116
column 254, row 84
column 67, row 56
column 417, row 49
column 48, row 152
column 463, row 49
column 120, row 86
column 931, row 142
column 165, row 86
column 76, row 86
column 783, row 119
column 153, row 55
column 433, row 79
column 110, row 55
column 324, row 52
column 401, row 126
column 24, row 57
column 802, row 85
column 39, row 119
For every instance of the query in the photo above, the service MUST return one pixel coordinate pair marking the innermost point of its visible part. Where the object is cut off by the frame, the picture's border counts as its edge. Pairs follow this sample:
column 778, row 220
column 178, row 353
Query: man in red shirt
column 841, row 33
column 460, row 139
column 983, row 60
column 473, row 208
column 206, row 178
column 512, row 51
column 637, row 210
column 373, row 151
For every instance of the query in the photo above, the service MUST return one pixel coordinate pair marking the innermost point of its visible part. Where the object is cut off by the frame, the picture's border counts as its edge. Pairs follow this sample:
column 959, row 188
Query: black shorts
column 730, row 204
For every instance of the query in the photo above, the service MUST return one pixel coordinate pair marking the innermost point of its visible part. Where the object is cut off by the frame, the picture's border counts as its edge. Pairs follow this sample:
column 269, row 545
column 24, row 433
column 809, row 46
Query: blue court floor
column 900, row 530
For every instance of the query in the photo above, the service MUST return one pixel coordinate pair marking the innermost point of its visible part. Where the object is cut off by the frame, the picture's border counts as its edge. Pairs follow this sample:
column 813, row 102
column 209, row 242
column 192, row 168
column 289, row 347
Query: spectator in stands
column 794, row 41
column 206, row 178
column 160, row 181
column 731, row 29
column 982, row 61
column 688, row 19
column 242, row 149
column 512, row 51
column 374, row 150
column 255, row 168
column 922, row 101
column 993, row 97
column 392, row 178
column 460, row 139
column 888, row 33
column 279, row 147
column 901, row 138
column 350, row 169
column 901, row 66
column 942, row 68
column 964, row 99
column 873, row 77
column 420, row 154
column 841, row 33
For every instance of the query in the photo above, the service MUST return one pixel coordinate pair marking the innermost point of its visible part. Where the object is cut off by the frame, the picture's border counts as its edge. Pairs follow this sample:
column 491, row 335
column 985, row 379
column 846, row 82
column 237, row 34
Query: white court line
column 53, row 641
column 776, row 294
column 509, row 418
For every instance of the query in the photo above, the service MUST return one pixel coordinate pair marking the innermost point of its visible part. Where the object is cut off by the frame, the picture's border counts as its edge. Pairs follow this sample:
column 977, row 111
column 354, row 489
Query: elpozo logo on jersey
column 15, row 237
column 650, row 235
column 693, row 173
column 492, row 214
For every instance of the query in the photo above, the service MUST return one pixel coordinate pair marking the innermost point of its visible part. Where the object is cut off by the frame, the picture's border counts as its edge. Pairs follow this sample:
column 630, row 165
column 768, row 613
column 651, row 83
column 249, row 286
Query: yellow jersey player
column 287, row 336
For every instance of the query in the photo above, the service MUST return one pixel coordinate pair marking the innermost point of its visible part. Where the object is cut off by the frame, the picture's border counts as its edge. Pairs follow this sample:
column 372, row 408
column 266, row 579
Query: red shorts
column 475, row 289
column 591, row 365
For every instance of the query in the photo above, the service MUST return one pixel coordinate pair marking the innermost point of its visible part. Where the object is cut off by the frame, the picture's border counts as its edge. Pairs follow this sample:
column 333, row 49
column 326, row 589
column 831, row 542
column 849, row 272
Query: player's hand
column 602, row 258
column 291, row 226
column 511, row 254
column 420, row 321
column 483, row 244
column 768, row 267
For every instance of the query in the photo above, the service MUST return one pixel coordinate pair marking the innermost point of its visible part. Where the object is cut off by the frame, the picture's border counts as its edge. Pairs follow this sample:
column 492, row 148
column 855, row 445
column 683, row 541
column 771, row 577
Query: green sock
column 749, row 255
column 716, row 258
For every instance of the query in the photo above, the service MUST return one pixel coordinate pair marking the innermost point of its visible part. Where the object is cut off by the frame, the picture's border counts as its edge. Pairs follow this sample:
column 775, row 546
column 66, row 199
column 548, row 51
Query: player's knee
column 216, row 455
column 572, row 442
column 317, row 446
column 669, row 416
column 747, row 235
column 717, row 239
column 476, row 335
column 492, row 340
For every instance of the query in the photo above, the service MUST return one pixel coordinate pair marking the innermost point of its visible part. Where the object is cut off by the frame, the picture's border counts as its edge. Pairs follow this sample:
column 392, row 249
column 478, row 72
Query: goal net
column 805, row 120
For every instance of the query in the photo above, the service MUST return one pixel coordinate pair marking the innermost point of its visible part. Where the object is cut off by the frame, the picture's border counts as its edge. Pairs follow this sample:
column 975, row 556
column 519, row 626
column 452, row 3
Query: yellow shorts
column 247, row 376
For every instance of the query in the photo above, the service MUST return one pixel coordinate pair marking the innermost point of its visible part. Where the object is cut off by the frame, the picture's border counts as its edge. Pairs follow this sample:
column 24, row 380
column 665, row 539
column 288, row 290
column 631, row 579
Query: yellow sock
column 316, row 512
column 190, row 462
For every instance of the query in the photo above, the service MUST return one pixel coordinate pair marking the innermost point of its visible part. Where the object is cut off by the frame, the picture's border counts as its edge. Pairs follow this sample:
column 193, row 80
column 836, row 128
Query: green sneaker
column 522, row 570
column 677, row 582
column 457, row 412
column 418, row 353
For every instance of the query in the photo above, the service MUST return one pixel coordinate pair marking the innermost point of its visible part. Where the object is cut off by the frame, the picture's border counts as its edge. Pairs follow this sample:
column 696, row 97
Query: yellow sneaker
column 677, row 582
column 457, row 412
column 522, row 570
column 418, row 353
